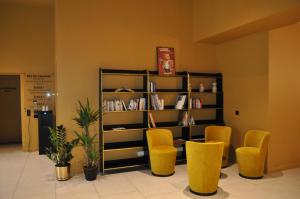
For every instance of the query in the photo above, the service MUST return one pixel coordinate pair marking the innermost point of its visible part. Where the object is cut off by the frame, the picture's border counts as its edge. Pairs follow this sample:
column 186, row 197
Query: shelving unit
column 140, row 159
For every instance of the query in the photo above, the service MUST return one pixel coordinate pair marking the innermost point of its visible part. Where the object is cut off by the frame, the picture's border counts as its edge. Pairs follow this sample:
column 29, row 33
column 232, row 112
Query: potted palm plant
column 86, row 116
column 60, row 152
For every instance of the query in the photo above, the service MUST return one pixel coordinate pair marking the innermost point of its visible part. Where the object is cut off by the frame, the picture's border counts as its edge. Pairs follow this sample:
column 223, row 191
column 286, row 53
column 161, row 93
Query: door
column 10, row 109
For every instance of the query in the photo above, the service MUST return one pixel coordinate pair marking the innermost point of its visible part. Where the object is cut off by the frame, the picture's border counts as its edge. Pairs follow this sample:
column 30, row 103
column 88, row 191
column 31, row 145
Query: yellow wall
column 216, row 20
column 284, row 92
column 244, row 64
column 118, row 34
column 27, row 46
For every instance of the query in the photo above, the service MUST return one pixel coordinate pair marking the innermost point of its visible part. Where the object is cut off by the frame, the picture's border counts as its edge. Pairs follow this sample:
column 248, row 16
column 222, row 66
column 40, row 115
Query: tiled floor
column 30, row 176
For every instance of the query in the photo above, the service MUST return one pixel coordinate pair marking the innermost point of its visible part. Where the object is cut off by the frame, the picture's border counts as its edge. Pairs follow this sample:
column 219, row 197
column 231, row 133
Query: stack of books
column 137, row 104
column 157, row 104
column 114, row 105
column 180, row 102
column 196, row 103
column 185, row 119
column 119, row 105
column 152, row 86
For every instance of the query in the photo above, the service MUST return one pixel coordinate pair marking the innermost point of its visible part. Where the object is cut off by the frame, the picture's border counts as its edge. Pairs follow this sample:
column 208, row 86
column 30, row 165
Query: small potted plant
column 85, row 118
column 60, row 152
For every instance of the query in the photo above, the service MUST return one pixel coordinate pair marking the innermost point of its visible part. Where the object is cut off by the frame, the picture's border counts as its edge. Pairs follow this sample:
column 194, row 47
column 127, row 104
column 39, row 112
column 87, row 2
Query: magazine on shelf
column 180, row 102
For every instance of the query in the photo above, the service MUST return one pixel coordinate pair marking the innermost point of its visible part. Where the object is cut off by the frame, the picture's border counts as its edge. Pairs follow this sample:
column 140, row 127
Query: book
column 124, row 106
column 152, row 86
column 152, row 121
column 157, row 104
column 196, row 103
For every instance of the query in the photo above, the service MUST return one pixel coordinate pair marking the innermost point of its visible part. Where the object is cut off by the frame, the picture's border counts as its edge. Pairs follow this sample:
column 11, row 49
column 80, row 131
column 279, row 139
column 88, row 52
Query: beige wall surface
column 213, row 17
column 27, row 46
column 284, row 92
column 244, row 64
column 118, row 34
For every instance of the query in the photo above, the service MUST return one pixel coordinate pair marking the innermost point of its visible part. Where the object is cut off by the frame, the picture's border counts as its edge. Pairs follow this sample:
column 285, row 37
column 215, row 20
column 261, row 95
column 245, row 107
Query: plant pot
column 90, row 173
column 62, row 173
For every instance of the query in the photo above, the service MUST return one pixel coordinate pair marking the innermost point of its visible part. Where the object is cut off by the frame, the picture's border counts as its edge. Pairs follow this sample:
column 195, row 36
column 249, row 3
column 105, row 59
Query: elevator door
column 10, row 110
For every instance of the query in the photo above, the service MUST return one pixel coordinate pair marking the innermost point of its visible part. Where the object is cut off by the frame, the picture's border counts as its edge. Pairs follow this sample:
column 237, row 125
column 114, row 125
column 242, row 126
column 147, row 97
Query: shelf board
column 126, row 126
column 168, row 91
column 208, row 122
column 125, row 111
column 123, row 145
column 206, row 75
column 123, row 163
column 206, row 91
column 177, row 74
column 123, row 72
column 180, row 160
column 170, row 108
column 208, row 106
column 112, row 90
column 197, row 138
column 179, row 141
column 167, row 124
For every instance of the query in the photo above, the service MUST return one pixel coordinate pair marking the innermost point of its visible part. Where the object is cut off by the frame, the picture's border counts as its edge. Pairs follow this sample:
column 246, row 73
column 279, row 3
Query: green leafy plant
column 60, row 151
column 86, row 116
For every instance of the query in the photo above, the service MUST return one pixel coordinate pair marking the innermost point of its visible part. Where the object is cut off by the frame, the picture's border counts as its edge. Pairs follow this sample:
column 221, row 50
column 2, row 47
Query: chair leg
column 157, row 175
column 203, row 194
column 251, row 178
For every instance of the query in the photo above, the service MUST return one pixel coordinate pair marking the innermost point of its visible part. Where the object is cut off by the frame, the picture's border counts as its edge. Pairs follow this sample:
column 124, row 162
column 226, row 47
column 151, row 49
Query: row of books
column 157, row 104
column 152, row 86
column 119, row 105
column 196, row 103
column 185, row 119
column 180, row 102
column 137, row 104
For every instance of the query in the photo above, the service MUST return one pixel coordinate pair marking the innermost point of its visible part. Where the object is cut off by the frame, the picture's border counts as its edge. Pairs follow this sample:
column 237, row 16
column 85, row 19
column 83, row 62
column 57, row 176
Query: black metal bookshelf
column 141, row 161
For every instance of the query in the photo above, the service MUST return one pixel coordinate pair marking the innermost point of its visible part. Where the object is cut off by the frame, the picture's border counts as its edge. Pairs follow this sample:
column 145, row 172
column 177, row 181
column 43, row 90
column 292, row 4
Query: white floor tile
column 113, row 184
column 33, row 177
column 130, row 195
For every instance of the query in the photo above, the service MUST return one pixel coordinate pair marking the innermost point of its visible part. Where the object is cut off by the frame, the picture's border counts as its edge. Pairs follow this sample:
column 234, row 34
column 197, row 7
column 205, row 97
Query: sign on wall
column 39, row 91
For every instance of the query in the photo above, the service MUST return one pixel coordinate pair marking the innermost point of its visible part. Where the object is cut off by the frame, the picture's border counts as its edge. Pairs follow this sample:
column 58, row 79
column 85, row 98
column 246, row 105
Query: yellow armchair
column 219, row 134
column 161, row 151
column 252, row 156
column 204, row 162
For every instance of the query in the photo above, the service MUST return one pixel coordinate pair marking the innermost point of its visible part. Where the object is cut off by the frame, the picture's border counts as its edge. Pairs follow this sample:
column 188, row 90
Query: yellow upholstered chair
column 252, row 156
column 204, row 162
column 162, row 152
column 219, row 134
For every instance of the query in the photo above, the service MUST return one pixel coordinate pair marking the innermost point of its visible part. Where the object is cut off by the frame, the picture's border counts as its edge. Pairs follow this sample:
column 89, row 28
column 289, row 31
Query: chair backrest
column 218, row 133
column 204, row 162
column 156, row 137
column 257, row 138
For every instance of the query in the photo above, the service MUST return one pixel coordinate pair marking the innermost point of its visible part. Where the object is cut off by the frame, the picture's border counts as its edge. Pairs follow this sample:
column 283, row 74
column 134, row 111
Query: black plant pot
column 90, row 173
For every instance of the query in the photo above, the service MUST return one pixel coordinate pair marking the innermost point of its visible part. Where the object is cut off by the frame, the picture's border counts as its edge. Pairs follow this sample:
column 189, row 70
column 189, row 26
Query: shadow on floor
column 223, row 176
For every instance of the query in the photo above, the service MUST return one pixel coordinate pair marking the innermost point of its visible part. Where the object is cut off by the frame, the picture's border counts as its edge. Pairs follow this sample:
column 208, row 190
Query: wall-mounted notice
column 39, row 91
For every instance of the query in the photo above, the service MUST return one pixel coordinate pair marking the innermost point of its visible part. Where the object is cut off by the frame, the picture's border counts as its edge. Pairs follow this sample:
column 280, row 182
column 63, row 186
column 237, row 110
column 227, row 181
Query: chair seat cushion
column 164, row 149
